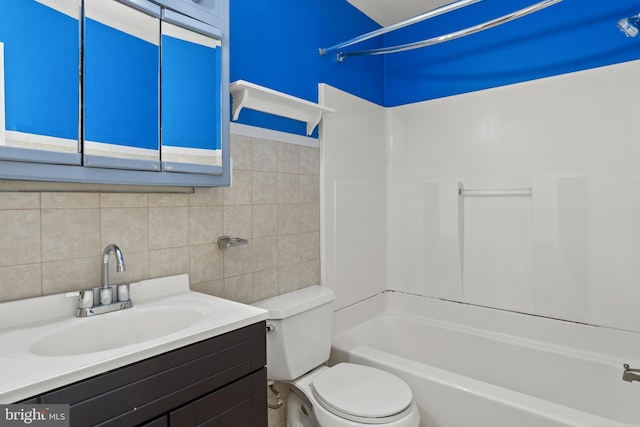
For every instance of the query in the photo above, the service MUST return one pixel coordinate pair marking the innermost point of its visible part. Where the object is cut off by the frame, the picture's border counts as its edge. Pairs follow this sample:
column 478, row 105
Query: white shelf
column 259, row 98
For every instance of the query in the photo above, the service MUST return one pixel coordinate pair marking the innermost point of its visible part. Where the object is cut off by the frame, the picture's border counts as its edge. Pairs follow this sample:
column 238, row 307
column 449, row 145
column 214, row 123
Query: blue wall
column 41, row 69
column 570, row 36
column 275, row 44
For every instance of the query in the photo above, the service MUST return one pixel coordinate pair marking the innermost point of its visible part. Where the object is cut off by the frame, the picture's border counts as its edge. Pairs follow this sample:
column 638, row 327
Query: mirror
column 81, row 85
column 121, row 74
column 40, row 75
column 191, row 95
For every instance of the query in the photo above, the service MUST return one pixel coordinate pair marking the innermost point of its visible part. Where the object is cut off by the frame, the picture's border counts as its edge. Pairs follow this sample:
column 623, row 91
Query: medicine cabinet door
column 39, row 80
column 121, row 77
column 191, row 96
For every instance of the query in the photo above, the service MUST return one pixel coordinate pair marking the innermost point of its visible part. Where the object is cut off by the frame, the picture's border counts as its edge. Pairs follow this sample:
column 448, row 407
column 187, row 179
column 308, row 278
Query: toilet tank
column 301, row 328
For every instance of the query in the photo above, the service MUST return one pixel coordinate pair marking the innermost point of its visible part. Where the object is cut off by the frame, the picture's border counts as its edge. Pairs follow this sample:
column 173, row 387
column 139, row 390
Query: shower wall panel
column 574, row 130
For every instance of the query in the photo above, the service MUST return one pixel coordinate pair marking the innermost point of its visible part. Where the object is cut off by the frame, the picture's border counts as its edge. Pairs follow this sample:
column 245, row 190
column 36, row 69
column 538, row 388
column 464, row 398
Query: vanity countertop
column 44, row 346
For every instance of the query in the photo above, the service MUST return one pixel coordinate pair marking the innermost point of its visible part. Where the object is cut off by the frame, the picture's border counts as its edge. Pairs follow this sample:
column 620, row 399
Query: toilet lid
column 360, row 392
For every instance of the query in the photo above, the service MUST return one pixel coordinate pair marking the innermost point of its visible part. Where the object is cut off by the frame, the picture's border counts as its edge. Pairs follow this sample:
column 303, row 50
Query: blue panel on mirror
column 190, row 94
column 41, row 69
column 121, row 88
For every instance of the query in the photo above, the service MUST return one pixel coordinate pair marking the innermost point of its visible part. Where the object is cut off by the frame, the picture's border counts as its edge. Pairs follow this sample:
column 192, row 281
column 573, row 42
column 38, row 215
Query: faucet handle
column 123, row 292
column 86, row 299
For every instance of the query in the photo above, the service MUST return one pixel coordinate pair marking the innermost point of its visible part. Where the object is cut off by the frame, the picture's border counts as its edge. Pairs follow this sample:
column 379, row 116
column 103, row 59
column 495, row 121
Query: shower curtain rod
column 452, row 36
column 427, row 15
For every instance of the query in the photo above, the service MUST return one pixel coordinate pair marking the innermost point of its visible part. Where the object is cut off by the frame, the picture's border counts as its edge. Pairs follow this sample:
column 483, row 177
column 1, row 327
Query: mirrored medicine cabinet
column 115, row 91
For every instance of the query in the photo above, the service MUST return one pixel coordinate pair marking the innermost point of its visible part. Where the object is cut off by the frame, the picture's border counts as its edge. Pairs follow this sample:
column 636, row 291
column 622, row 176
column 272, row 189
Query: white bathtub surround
column 560, row 247
column 497, row 247
column 353, row 197
column 443, row 243
column 571, row 125
column 569, row 251
column 469, row 365
column 586, row 249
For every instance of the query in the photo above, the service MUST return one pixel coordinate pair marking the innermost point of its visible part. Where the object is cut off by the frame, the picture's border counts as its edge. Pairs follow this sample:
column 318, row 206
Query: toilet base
column 299, row 413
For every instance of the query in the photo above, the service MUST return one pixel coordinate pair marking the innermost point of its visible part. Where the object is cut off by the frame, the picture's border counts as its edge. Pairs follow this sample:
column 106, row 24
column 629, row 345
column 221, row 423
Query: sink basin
column 120, row 329
column 43, row 346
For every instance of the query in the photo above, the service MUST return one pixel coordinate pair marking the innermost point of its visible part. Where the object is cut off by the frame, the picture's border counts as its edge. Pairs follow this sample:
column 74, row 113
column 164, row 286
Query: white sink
column 121, row 328
column 44, row 346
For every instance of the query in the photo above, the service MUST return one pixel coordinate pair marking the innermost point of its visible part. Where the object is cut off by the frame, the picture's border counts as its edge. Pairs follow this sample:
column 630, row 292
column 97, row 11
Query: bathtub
column 471, row 366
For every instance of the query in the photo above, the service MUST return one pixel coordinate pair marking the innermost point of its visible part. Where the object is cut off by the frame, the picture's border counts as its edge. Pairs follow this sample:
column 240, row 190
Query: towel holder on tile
column 226, row 241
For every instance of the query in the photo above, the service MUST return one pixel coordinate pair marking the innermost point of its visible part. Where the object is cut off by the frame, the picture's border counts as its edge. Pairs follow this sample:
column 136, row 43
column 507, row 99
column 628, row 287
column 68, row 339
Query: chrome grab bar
column 227, row 242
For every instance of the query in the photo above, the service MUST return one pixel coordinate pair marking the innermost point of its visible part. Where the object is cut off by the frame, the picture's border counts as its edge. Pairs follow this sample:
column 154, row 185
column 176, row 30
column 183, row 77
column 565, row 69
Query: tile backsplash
column 53, row 242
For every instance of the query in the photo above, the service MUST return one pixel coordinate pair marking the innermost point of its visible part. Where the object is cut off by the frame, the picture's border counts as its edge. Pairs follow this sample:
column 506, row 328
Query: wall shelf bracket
column 259, row 98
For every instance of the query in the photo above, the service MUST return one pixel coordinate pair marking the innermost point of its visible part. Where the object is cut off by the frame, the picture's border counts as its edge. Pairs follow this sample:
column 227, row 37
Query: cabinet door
column 39, row 72
column 191, row 95
column 121, row 75
column 241, row 404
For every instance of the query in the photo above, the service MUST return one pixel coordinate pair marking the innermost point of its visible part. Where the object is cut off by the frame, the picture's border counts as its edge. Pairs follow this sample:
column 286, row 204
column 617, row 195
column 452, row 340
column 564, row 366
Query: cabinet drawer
column 239, row 404
column 160, row 422
column 147, row 389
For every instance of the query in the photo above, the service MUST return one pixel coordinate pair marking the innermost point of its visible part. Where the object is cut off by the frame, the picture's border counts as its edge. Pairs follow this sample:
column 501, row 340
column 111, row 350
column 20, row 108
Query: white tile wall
column 571, row 251
column 52, row 242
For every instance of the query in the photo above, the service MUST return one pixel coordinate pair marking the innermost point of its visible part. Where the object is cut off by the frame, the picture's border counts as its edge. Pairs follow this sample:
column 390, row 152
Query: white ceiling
column 387, row 12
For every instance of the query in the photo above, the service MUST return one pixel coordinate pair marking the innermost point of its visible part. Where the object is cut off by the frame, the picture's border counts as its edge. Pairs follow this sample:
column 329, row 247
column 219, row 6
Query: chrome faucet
column 107, row 297
column 630, row 374
column 105, row 292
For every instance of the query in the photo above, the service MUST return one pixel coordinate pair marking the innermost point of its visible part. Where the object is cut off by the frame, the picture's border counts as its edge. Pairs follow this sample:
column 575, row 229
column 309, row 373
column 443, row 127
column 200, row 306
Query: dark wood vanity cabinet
column 217, row 382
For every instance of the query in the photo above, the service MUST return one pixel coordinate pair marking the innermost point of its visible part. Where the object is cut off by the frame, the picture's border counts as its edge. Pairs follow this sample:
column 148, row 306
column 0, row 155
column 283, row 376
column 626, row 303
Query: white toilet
column 300, row 327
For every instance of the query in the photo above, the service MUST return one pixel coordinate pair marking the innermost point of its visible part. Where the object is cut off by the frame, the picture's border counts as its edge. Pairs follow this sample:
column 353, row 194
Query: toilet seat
column 362, row 394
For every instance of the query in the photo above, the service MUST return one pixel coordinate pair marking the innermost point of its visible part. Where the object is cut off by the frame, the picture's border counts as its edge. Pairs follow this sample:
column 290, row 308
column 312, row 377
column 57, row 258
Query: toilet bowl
column 300, row 328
